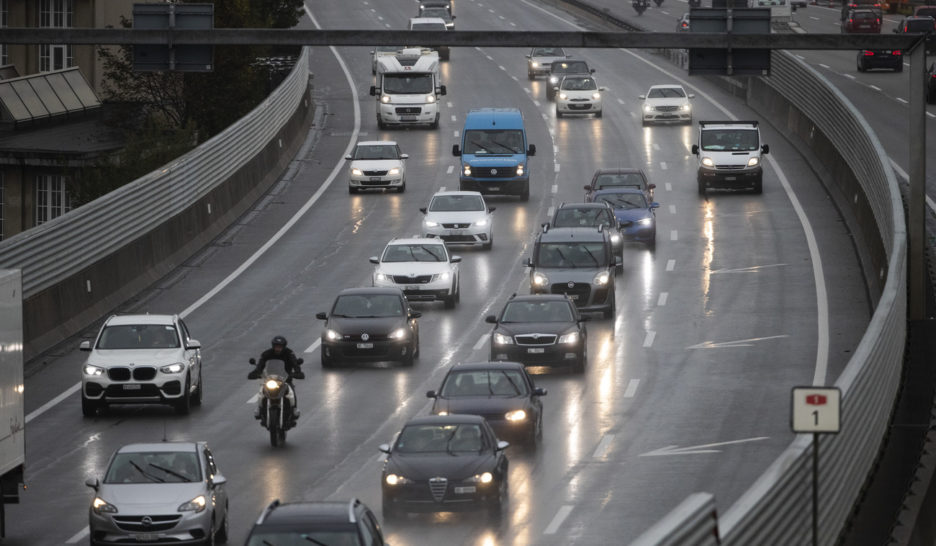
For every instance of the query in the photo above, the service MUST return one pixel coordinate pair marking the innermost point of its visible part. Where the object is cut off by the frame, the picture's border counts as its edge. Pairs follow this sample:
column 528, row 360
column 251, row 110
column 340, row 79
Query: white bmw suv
column 422, row 267
column 459, row 218
column 142, row 359
column 377, row 164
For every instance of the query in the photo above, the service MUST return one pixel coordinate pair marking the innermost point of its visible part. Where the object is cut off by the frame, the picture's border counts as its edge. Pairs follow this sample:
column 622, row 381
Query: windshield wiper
column 512, row 384
column 479, row 147
column 172, row 472
column 490, row 389
column 592, row 256
column 433, row 254
column 564, row 259
column 448, row 443
column 147, row 474
column 506, row 147
column 313, row 541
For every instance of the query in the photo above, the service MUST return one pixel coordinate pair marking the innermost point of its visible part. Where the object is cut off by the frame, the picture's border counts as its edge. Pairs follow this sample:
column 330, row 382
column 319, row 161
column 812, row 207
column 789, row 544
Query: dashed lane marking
column 670, row 265
column 557, row 520
column 631, row 389
column 603, row 446
column 661, row 301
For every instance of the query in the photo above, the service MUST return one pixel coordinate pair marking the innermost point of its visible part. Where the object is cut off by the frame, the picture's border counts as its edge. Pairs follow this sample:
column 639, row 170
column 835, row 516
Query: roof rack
column 704, row 123
column 267, row 510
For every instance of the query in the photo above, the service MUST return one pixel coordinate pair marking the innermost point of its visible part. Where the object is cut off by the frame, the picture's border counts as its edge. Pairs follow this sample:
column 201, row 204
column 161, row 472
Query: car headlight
column 569, row 339
column 685, row 107
column 553, row 80
column 396, row 479
column 357, row 172
column 520, row 169
column 399, row 333
column 648, row 108
column 645, row 221
column 92, row 370
column 482, row 222
column 516, row 415
column 484, row 477
column 173, row 368
column 430, row 98
column 501, row 339
column 753, row 162
column 534, row 64
column 615, row 239
column 382, row 277
column 101, row 506
column 596, row 95
column 272, row 385
column 385, row 99
column 332, row 335
column 466, row 170
column 394, row 171
column 563, row 96
column 601, row 279
column 442, row 276
column 195, row 505
column 707, row 161
column 540, row 280
column 430, row 223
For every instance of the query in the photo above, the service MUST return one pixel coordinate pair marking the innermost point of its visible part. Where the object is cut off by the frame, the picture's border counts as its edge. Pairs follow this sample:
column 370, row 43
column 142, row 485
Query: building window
column 3, row 24
column 55, row 14
column 52, row 199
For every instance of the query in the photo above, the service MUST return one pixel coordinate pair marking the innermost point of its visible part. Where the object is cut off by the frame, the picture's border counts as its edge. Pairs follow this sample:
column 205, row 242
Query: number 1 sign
column 816, row 409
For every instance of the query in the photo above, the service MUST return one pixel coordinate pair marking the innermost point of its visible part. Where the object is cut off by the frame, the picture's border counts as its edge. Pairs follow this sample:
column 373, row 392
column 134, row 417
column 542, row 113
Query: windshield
column 736, row 140
column 579, row 84
column 926, row 12
column 584, row 217
column 415, row 253
column 428, row 26
column 458, row 203
column 920, row 25
column 368, row 306
column 624, row 201
column 329, row 537
column 439, row 438
column 567, row 67
column 376, row 151
column 494, row 141
column 401, row 84
column 484, row 383
column 155, row 467
column 572, row 254
column 547, row 52
column 139, row 336
column 386, row 48
column 619, row 179
column 537, row 311
column 441, row 13
column 666, row 93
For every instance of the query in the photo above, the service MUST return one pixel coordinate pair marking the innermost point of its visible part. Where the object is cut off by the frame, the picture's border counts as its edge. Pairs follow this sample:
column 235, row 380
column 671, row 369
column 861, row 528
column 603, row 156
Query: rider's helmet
column 278, row 340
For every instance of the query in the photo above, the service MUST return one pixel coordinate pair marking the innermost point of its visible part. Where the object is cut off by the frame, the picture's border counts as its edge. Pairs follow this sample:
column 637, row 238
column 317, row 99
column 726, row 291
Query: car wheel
column 531, row 76
column 435, row 124
column 327, row 361
column 489, row 243
column 539, row 428
column 525, row 195
column 931, row 97
column 651, row 244
column 199, row 389
column 598, row 114
column 352, row 190
column 221, row 535
column 407, row 360
column 183, row 405
column 210, row 537
column 495, row 508
column 390, row 510
column 759, row 187
column 611, row 311
column 644, row 122
column 579, row 366
column 380, row 123
column 457, row 291
column 558, row 113
column 89, row 408
column 402, row 187
column 416, row 348
column 701, row 188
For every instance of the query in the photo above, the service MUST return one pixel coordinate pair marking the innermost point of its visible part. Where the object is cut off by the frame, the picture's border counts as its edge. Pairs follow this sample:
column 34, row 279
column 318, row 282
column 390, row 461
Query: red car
column 862, row 21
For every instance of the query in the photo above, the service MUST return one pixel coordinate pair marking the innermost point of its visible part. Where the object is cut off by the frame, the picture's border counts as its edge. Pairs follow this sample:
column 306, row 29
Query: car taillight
column 878, row 21
column 868, row 53
column 898, row 52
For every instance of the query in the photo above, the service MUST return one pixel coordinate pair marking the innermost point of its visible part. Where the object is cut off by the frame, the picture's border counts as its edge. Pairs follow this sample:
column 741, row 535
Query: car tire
column 199, row 389
column 651, row 244
column 531, row 76
column 327, row 361
column 495, row 508
column 759, row 187
column 611, row 312
column 89, row 408
column 435, row 124
column 416, row 348
column 402, row 187
column 558, row 113
column 644, row 123
column 183, row 404
column 410, row 357
column 579, row 366
column 931, row 97
column 449, row 301
column 861, row 66
column 598, row 114
column 223, row 532
column 489, row 243
column 380, row 123
column 390, row 510
column 701, row 188
column 352, row 190
column 525, row 194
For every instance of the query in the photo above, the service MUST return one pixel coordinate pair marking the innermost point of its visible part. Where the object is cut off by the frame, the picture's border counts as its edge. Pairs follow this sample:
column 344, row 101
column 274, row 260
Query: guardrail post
column 916, row 217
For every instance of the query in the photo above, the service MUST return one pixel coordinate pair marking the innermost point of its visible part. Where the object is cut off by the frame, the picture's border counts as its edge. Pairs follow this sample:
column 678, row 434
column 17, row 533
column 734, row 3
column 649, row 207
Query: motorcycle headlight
column 645, row 221
column 615, row 239
column 707, row 161
column 753, row 162
column 272, row 385
column 332, row 335
column 516, row 415
column 540, row 280
column 520, row 169
column 396, row 479
column 430, row 98
column 482, row 222
column 195, row 505
column 601, row 279
column 596, row 95
column 173, row 368
column 467, row 170
column 394, row 171
column 93, row 371
column 569, row 339
column 357, row 172
column 501, row 339
column 430, row 223
column 399, row 333
column 563, row 96
column 385, row 99
column 101, row 506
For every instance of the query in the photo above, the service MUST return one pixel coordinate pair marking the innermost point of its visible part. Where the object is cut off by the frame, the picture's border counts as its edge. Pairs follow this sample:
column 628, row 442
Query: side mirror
column 423, row 210
column 587, row 188
column 252, row 361
column 654, row 205
column 544, row 226
column 218, row 480
column 374, row 260
column 414, row 314
column 642, row 97
column 347, row 158
column 193, row 344
column 93, row 483
column 491, row 209
column 442, row 90
column 591, row 70
column 531, row 151
column 321, row 316
column 404, row 156
column 528, row 262
column 539, row 391
column 373, row 90
column 695, row 149
column 384, row 448
column 691, row 95
column 765, row 149
column 453, row 17
column 527, row 56
column 502, row 445
column 456, row 151
column 490, row 319
column 431, row 394
column 85, row 345
column 585, row 318
column 651, row 186
column 455, row 259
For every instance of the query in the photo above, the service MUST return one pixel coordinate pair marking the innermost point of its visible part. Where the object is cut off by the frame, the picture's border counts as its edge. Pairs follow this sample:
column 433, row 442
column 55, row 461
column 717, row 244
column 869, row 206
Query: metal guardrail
column 694, row 521
column 63, row 247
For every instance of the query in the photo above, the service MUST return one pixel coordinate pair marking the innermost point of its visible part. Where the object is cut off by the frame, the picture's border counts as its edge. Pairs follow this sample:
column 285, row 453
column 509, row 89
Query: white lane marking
column 501, row 67
column 670, row 265
column 550, row 211
column 656, row 146
column 79, row 535
column 752, row 269
column 489, row 57
column 555, row 149
column 668, row 186
column 876, row 88
column 620, row 101
column 514, row 78
column 692, row 450
column 663, row 165
column 455, row 133
column 449, row 104
column 800, row 57
column 513, row 25
column 253, row 399
column 556, row 168
column 603, row 446
column 849, row 76
column 673, row 235
column 453, row 118
column 824, row 66
column 481, row 341
column 555, row 188
column 450, row 170
column 905, row 176
column 930, row 114
column 814, row 19
column 672, row 209
column 557, row 520
column 631, row 389
column 733, row 344
column 648, row 340
column 501, row 17
column 314, row 347
column 661, row 301
column 664, row 12
column 902, row 100
column 55, row 401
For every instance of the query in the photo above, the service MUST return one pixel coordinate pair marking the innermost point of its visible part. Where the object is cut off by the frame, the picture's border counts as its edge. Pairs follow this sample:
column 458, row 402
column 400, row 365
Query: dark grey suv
column 350, row 522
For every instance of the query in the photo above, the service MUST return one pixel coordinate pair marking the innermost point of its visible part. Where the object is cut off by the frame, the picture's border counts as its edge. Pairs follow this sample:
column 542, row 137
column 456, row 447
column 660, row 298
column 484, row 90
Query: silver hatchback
column 165, row 493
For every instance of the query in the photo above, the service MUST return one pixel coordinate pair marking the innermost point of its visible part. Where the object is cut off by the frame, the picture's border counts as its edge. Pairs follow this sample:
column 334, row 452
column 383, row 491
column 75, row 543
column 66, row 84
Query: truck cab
column 408, row 88
column 729, row 154
column 494, row 153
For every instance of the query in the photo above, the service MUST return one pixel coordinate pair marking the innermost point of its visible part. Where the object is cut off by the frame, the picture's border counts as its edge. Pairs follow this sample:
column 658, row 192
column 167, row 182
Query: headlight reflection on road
column 649, row 280
column 708, row 232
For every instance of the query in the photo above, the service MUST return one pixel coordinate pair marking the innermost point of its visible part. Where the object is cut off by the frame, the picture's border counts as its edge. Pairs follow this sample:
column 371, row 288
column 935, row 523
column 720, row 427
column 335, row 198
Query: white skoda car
column 377, row 164
column 459, row 218
column 422, row 267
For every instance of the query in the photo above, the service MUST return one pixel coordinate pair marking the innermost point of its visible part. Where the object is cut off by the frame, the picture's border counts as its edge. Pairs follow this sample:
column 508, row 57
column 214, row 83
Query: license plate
column 494, row 188
column 730, row 178
column 407, row 118
column 146, row 537
column 132, row 387
column 573, row 297
column 412, row 288
column 464, row 490
column 375, row 179
column 365, row 345
column 536, row 350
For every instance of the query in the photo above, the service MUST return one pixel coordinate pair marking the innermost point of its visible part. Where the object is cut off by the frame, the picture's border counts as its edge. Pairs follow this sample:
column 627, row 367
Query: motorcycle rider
column 640, row 5
column 279, row 351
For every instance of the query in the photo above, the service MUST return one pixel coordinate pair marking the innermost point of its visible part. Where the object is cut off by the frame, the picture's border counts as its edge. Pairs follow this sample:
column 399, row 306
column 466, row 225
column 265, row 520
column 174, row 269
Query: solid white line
column 648, row 340
column 450, row 169
column 481, row 341
column 672, row 209
column 902, row 100
column 603, row 446
column 555, row 188
column 561, row 515
column 930, row 114
column 314, row 347
column 673, row 235
column 79, row 535
column 668, row 186
column 51, row 403
column 670, row 265
column 661, row 301
column 631, row 389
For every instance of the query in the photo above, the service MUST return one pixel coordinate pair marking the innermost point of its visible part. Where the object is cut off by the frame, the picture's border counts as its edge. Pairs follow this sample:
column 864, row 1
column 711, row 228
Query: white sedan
column 666, row 103
column 422, row 267
column 377, row 164
column 459, row 217
column 578, row 94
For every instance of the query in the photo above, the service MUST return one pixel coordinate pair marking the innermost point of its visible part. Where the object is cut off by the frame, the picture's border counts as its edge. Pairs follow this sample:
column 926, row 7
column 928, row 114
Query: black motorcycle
column 640, row 6
column 276, row 414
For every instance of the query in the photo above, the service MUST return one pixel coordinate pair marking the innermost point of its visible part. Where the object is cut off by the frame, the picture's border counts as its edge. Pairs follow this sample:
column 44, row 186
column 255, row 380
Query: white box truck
column 408, row 88
column 12, row 437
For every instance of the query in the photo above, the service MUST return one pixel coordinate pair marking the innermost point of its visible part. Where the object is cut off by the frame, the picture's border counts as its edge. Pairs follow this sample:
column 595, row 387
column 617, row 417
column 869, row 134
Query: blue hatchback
column 633, row 211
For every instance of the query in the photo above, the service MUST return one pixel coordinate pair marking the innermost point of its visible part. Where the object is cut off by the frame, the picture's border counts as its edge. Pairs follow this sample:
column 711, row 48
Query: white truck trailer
column 12, row 437
column 408, row 88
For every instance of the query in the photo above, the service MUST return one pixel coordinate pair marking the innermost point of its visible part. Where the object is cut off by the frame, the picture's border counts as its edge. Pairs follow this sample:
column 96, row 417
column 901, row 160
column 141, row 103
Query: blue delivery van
column 494, row 153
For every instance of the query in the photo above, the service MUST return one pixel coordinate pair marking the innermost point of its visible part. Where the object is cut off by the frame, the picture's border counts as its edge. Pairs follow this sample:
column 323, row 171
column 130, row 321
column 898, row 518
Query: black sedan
column 540, row 330
column 880, row 58
column 619, row 177
column 370, row 324
column 501, row 392
column 444, row 463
